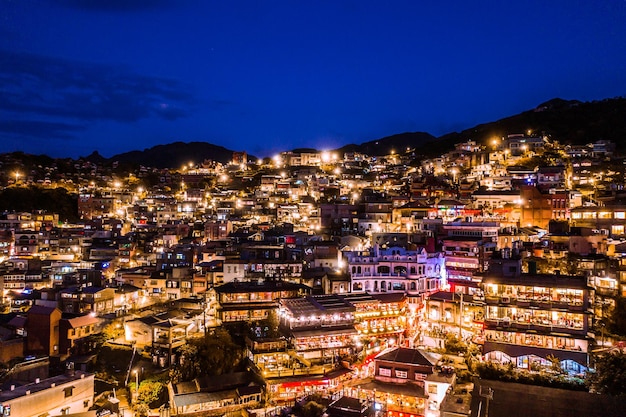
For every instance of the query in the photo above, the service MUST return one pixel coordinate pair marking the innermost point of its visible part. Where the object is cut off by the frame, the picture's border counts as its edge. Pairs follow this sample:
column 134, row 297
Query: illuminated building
column 531, row 317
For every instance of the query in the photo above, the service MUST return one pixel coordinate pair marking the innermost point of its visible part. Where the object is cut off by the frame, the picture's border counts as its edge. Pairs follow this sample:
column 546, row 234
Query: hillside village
column 374, row 285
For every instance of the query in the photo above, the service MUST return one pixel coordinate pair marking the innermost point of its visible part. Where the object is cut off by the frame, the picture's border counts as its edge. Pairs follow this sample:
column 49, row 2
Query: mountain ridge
column 568, row 121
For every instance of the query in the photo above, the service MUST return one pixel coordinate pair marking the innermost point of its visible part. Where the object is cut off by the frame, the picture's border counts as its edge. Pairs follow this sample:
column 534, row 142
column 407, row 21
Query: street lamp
column 17, row 176
column 454, row 171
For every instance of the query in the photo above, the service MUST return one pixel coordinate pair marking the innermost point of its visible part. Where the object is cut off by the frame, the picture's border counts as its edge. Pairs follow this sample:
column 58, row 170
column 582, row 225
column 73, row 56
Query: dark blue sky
column 265, row 76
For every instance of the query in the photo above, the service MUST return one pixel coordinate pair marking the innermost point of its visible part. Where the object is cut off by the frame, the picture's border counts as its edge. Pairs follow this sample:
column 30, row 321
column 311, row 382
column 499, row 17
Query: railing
column 539, row 327
column 544, row 304
column 531, row 345
column 610, row 292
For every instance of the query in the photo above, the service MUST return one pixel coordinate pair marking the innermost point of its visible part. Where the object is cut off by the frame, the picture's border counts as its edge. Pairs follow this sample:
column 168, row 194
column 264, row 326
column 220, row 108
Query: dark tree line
column 52, row 200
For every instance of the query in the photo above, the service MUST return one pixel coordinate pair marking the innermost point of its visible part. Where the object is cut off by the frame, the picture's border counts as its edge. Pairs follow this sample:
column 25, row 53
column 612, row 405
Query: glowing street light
column 17, row 176
column 454, row 171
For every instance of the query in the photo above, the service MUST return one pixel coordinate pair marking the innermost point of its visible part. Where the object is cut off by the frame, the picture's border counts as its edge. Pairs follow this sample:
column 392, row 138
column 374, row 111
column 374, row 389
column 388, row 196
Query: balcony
column 537, row 326
column 516, row 350
column 535, row 303
column 165, row 343
column 607, row 292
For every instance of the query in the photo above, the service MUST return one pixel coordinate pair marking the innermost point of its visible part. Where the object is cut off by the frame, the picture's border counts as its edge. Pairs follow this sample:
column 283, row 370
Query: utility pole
column 204, row 306
column 460, row 316
column 488, row 397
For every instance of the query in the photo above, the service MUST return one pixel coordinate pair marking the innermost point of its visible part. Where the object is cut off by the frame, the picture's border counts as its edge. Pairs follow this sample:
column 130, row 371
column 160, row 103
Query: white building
column 395, row 269
column 70, row 393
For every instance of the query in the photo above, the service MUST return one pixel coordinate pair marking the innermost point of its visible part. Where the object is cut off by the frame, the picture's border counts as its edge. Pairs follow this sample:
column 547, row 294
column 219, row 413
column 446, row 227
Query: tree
column 617, row 317
column 214, row 354
column 113, row 330
column 454, row 345
column 269, row 326
column 149, row 392
column 312, row 409
column 141, row 409
column 555, row 364
column 609, row 376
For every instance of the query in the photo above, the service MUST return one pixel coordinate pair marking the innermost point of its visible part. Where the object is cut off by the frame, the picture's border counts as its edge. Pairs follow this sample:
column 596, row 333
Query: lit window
column 589, row 215
column 400, row 373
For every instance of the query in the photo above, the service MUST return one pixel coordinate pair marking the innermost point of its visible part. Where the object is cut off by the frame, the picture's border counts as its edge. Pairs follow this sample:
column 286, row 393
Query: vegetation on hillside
column 569, row 122
column 213, row 354
column 609, row 376
column 32, row 199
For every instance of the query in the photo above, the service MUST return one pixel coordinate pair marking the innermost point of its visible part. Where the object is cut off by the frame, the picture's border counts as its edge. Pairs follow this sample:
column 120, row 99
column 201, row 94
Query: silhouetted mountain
column 304, row 150
column 176, row 154
column 395, row 143
column 95, row 157
column 567, row 121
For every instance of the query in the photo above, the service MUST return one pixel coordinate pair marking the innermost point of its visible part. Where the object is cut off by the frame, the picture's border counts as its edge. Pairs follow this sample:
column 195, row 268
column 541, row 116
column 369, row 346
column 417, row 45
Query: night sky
column 265, row 76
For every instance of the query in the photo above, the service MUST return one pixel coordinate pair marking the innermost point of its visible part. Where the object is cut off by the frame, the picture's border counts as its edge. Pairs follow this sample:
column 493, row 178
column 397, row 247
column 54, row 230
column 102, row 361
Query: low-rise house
column 609, row 218
column 74, row 333
column 405, row 382
column 69, row 393
column 212, row 396
column 79, row 300
column 252, row 301
column 42, row 330
column 163, row 333
column 394, row 269
column 380, row 315
column 321, row 328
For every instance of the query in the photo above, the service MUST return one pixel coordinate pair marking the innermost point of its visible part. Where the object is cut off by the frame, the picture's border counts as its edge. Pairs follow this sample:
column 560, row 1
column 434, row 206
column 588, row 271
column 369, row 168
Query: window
column 401, row 373
column 384, row 371
column 68, row 391
column 432, row 389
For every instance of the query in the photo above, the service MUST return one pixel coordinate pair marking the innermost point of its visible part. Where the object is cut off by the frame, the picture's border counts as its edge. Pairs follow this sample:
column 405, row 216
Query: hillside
column 566, row 121
column 395, row 143
column 569, row 122
column 175, row 154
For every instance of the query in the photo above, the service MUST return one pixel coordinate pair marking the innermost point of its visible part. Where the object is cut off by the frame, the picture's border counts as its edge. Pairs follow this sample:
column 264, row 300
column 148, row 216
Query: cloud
column 70, row 94
column 28, row 129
